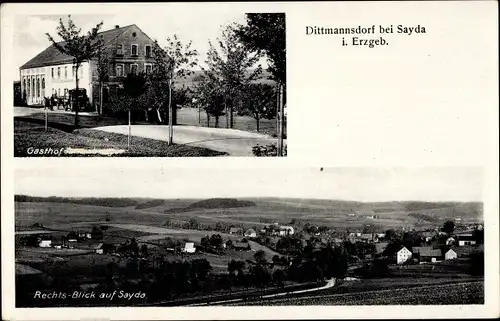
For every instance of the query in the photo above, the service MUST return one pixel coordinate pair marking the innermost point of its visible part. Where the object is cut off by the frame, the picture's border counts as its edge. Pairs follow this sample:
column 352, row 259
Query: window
column 119, row 70
column 73, row 72
column 148, row 51
column 58, row 72
column 52, row 73
column 58, row 91
column 133, row 68
column 119, row 50
column 134, row 50
column 148, row 68
column 65, row 72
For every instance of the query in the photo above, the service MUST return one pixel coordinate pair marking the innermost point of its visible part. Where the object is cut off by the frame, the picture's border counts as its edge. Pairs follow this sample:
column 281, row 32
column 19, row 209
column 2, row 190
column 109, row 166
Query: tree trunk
column 257, row 119
column 227, row 114
column 77, row 108
column 46, row 118
column 280, row 123
column 129, row 129
column 216, row 121
column 231, row 110
column 101, row 99
column 208, row 119
column 170, row 112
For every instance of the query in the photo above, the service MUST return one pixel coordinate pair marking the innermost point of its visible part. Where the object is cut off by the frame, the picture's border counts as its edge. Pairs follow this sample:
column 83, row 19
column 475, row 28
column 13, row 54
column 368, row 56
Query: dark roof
column 429, row 252
column 52, row 56
column 241, row 245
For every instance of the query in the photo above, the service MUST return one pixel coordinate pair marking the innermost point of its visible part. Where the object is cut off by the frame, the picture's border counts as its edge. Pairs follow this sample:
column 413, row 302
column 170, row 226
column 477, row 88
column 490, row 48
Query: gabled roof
column 52, row 56
column 403, row 248
column 235, row 229
column 429, row 252
column 241, row 245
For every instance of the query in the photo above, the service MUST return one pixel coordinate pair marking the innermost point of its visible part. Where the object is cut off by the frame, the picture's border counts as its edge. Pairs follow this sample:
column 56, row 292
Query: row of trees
column 227, row 85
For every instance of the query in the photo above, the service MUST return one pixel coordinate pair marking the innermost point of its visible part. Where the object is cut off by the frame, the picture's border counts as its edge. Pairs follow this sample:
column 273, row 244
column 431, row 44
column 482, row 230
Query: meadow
column 339, row 215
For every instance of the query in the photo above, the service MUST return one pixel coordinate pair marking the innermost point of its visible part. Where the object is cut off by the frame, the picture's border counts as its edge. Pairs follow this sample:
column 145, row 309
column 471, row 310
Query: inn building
column 128, row 49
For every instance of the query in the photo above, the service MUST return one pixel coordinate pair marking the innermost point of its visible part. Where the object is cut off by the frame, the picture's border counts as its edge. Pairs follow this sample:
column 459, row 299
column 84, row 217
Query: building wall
column 450, row 255
column 37, row 83
column 403, row 256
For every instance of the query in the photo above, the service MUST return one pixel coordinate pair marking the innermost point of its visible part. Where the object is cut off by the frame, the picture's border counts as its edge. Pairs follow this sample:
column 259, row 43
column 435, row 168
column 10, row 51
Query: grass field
column 469, row 292
column 33, row 135
column 334, row 214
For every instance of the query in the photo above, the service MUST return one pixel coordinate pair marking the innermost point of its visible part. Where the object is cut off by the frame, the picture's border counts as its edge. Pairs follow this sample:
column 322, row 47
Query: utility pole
column 129, row 129
column 170, row 109
column 280, row 119
column 46, row 117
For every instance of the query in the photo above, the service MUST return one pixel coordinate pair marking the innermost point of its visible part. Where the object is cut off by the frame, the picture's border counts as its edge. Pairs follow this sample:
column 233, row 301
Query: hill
column 212, row 203
column 250, row 212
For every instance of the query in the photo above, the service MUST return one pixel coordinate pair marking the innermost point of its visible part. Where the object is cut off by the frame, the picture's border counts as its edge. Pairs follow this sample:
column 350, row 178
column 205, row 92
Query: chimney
column 117, row 26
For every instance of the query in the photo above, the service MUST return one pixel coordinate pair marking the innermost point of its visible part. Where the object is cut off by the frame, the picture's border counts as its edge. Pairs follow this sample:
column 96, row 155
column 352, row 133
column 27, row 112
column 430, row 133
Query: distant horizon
column 431, row 184
column 254, row 197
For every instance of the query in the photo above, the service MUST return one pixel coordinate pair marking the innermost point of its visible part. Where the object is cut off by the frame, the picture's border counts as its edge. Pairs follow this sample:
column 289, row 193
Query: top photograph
column 127, row 86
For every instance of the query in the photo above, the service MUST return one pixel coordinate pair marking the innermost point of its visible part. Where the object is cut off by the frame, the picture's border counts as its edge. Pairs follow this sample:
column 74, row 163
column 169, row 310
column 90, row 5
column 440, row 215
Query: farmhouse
column 427, row 236
column 240, row 246
column 403, row 255
column 99, row 249
column 450, row 255
column 286, row 230
column 428, row 254
column 128, row 49
column 235, row 231
column 189, row 248
column 466, row 239
column 250, row 233
column 368, row 237
column 45, row 243
column 450, row 241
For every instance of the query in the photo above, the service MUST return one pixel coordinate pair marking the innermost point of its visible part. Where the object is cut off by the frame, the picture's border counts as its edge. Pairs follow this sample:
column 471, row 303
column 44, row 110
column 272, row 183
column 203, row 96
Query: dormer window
column 135, row 51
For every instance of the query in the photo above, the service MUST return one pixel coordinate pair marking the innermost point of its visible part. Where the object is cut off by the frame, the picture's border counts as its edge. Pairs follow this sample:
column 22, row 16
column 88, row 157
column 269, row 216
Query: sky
column 357, row 184
column 197, row 26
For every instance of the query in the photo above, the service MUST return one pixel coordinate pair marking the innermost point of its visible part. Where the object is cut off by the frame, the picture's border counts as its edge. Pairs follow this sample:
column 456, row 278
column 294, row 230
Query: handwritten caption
column 365, row 36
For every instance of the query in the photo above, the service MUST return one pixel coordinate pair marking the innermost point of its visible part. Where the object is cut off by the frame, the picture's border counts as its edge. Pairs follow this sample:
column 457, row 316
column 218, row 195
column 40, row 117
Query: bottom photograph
column 105, row 237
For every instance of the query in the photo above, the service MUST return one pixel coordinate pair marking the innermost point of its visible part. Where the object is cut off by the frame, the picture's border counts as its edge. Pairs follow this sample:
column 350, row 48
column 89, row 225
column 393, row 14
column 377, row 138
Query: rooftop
column 52, row 56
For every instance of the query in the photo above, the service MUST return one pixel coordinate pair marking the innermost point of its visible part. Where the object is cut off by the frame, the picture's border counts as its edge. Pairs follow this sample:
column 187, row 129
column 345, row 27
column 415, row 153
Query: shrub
column 267, row 150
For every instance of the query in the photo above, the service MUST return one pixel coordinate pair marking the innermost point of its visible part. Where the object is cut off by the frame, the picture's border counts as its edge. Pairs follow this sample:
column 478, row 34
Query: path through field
column 329, row 284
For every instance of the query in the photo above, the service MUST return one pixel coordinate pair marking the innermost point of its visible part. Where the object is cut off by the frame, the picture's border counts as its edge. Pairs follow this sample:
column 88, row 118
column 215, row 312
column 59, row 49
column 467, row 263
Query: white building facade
column 41, row 82
column 403, row 255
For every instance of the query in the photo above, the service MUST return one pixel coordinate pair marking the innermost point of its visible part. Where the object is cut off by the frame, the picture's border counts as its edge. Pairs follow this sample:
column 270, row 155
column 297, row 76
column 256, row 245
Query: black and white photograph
column 204, row 84
column 293, row 236
column 146, row 173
